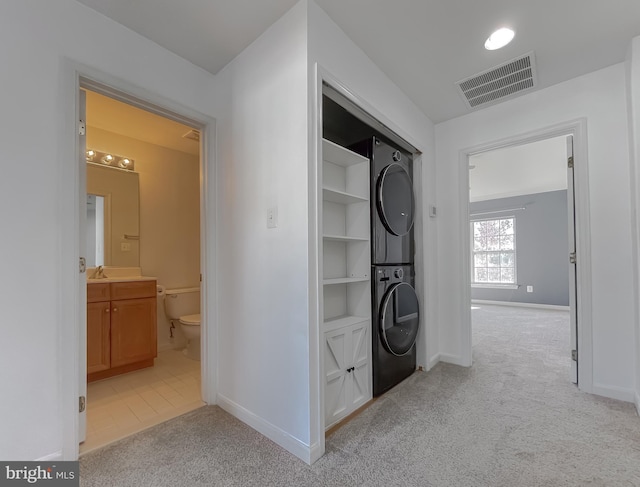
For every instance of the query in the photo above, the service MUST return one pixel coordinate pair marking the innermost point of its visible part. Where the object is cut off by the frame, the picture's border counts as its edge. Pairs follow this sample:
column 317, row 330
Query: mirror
column 113, row 217
column 96, row 229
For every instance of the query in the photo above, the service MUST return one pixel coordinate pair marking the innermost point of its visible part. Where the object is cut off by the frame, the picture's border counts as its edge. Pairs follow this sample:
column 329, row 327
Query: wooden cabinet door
column 133, row 331
column 98, row 339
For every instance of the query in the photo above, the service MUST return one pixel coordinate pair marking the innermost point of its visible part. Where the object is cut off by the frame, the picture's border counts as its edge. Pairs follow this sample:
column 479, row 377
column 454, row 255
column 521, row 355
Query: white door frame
column 578, row 129
column 70, row 306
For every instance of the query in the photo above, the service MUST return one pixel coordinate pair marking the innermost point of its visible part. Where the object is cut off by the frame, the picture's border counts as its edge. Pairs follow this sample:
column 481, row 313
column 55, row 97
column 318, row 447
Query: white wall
column 600, row 98
column 268, row 350
column 36, row 39
column 263, row 334
column 335, row 54
column 632, row 65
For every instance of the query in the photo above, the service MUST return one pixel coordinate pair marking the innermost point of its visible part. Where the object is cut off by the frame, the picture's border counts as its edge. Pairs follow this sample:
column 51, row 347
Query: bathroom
column 165, row 245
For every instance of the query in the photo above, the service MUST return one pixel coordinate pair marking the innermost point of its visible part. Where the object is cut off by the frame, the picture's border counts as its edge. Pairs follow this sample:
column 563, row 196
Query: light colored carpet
column 513, row 419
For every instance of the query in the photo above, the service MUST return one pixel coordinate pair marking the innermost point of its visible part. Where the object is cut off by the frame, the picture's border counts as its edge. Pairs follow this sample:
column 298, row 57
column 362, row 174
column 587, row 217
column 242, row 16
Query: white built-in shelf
column 341, row 197
column 346, row 270
column 342, row 321
column 344, row 238
column 344, row 280
column 339, row 155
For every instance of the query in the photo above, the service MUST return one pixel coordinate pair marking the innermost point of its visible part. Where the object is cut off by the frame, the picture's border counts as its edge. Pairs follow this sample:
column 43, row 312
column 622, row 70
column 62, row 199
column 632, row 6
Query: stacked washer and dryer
column 395, row 311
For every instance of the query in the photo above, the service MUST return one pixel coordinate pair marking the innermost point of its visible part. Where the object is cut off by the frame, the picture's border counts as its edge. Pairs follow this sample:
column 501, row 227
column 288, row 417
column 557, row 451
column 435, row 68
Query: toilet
column 182, row 306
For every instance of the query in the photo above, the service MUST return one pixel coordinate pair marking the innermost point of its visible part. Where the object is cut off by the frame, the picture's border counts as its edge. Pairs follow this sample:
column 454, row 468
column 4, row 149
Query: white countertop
column 119, row 274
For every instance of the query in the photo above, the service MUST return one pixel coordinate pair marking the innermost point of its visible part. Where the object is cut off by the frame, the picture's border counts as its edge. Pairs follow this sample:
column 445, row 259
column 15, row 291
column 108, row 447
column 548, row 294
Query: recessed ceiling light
column 499, row 38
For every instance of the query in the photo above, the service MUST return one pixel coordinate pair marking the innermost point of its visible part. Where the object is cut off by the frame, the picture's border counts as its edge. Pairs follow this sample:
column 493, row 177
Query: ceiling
column 424, row 46
column 120, row 118
column 536, row 167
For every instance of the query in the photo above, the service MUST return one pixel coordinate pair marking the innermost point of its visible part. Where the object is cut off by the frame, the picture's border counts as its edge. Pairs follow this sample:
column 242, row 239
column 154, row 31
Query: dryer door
column 395, row 199
column 399, row 318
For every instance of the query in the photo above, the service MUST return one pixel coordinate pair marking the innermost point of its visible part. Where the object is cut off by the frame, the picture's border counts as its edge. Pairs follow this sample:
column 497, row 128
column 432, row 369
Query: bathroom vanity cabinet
column 121, row 327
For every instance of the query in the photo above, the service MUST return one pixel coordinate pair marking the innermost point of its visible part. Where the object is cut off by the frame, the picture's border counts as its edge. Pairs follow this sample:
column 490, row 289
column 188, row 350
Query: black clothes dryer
column 396, row 322
column 392, row 202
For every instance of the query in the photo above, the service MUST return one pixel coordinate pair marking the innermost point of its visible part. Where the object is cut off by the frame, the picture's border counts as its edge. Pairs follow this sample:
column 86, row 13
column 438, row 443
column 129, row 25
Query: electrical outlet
column 529, row 289
column 125, row 247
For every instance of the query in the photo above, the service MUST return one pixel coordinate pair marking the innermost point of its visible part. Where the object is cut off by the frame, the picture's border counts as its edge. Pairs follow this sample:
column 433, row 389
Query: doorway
column 521, row 217
column 163, row 153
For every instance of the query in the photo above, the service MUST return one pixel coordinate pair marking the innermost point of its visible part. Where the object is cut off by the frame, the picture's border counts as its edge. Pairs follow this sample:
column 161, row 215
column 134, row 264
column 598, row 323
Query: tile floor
column 123, row 405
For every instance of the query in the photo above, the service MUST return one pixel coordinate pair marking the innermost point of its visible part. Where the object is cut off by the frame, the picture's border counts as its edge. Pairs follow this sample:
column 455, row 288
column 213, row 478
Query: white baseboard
column 316, row 453
column 637, row 401
column 171, row 346
column 452, row 359
column 613, row 392
column 293, row 445
column 521, row 305
column 52, row 457
column 433, row 361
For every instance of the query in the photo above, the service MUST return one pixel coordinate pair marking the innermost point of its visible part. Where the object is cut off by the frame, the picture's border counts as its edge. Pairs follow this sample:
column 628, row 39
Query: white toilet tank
column 181, row 302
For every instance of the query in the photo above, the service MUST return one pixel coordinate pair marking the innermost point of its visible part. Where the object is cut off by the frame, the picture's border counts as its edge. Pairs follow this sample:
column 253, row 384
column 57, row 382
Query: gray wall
column 542, row 244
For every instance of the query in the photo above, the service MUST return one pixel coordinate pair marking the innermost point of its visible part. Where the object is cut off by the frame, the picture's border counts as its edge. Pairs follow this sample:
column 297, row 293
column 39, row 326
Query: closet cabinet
column 121, row 327
column 346, row 280
column 347, row 370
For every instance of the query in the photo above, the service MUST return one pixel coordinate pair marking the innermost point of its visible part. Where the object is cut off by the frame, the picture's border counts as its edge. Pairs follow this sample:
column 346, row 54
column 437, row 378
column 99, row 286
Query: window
column 494, row 252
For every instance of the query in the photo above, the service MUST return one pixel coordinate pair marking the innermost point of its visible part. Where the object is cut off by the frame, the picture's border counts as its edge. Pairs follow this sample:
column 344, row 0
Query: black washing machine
column 395, row 327
column 392, row 202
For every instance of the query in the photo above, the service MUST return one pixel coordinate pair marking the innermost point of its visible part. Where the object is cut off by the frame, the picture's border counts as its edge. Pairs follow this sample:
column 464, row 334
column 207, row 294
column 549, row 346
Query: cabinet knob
column 115, row 309
column 107, row 310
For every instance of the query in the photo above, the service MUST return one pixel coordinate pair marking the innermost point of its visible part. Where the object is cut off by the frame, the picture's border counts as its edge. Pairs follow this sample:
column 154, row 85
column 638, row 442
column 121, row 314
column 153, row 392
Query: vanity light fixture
column 499, row 38
column 124, row 163
column 109, row 160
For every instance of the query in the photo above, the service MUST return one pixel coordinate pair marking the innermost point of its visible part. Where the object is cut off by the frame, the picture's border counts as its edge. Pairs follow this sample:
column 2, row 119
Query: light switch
column 529, row 289
column 272, row 217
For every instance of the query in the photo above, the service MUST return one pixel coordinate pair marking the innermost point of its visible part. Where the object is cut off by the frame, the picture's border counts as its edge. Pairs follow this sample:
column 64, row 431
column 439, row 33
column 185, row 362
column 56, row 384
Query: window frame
column 494, row 285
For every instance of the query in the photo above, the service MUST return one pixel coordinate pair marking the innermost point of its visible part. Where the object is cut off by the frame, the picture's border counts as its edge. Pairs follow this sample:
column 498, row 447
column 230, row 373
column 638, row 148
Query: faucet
column 98, row 273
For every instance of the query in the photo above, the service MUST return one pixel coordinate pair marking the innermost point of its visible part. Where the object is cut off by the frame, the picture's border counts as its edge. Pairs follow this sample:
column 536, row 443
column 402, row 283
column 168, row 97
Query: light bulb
column 107, row 159
column 124, row 163
column 90, row 154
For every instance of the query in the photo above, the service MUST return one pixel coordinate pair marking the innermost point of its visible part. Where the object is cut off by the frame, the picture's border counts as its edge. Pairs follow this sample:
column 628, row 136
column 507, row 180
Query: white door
column 572, row 262
column 82, row 276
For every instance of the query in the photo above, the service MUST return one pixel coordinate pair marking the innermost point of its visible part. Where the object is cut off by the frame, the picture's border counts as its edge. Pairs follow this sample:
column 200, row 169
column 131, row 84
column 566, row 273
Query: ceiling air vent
column 505, row 80
column 193, row 135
